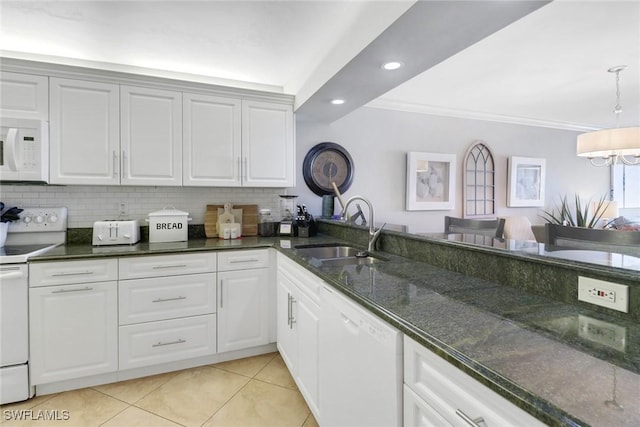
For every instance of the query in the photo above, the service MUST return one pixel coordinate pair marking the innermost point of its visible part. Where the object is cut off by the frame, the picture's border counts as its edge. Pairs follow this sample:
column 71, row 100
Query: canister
column 266, row 226
column 168, row 225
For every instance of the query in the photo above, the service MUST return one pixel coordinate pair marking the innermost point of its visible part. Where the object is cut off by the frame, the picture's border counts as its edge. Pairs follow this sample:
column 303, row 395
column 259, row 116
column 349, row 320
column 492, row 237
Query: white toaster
column 116, row 232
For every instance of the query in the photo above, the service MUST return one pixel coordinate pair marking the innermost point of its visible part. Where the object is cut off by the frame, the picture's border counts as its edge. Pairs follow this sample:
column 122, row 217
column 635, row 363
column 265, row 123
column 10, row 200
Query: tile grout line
column 241, row 388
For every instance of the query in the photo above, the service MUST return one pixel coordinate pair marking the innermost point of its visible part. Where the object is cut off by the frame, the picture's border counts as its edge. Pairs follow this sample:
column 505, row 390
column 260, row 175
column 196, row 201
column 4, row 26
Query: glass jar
column 266, row 225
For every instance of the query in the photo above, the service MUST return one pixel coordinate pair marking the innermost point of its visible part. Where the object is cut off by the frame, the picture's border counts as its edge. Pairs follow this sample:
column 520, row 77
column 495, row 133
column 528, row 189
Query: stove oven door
column 14, row 327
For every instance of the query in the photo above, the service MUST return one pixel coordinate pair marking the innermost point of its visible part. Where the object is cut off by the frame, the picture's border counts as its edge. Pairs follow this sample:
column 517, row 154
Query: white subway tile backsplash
column 87, row 204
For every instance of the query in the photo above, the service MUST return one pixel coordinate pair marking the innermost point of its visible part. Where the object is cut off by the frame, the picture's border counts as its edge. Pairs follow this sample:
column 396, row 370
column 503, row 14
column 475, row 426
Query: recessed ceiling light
column 393, row 65
column 337, row 101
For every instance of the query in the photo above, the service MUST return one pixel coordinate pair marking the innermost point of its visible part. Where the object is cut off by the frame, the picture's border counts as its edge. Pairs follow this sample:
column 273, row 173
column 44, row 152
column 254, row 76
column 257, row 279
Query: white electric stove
column 39, row 230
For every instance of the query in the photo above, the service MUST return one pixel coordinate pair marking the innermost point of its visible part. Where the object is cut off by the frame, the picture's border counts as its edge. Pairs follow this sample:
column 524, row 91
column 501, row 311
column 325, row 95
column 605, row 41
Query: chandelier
column 610, row 146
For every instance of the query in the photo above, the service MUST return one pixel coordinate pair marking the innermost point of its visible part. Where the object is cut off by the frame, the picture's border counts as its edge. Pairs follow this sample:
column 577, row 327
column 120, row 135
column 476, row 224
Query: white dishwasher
column 360, row 366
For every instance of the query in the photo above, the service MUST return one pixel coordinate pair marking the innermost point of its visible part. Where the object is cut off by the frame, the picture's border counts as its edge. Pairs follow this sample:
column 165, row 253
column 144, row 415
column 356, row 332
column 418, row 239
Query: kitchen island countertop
column 565, row 364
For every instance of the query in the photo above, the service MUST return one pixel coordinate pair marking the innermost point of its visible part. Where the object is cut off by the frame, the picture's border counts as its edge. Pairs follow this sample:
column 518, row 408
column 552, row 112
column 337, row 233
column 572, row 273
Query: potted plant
column 564, row 215
column 7, row 216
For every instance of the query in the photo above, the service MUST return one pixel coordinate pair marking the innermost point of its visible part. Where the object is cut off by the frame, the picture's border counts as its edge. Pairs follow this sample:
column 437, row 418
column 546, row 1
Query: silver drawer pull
column 472, row 422
column 75, row 273
column 161, row 344
column 168, row 299
column 237, row 261
column 63, row 291
column 169, row 266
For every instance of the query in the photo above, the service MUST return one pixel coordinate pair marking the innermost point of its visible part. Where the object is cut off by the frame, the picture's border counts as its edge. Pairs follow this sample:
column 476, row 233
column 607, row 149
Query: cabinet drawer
column 164, row 341
column 70, row 272
column 241, row 260
column 307, row 282
column 453, row 394
column 167, row 265
column 145, row 300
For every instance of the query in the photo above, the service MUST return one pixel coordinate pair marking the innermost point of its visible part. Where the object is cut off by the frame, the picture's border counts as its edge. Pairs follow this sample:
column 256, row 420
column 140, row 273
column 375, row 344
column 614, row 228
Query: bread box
column 168, row 225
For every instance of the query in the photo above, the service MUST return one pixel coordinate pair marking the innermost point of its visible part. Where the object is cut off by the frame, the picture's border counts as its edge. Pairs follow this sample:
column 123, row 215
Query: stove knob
column 53, row 218
column 27, row 219
column 39, row 219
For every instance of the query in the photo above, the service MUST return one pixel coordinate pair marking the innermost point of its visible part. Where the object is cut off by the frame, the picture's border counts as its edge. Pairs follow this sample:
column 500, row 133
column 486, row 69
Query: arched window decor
column 479, row 182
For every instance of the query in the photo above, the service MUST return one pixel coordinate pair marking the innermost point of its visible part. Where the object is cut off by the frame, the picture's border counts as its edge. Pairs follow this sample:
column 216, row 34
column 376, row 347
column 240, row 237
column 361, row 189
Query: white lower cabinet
column 298, row 324
column 167, row 308
column 243, row 299
column 159, row 298
column 437, row 393
column 418, row 413
column 243, row 315
column 163, row 341
column 73, row 331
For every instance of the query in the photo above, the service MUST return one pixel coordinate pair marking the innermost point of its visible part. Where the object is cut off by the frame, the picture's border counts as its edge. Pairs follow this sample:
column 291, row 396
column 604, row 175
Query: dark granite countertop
column 565, row 364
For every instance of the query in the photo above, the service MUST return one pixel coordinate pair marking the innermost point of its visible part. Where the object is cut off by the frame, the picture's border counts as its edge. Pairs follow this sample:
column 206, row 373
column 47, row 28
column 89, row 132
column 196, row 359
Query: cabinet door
column 211, row 141
column 73, row 331
column 243, row 315
column 151, row 136
column 24, row 96
column 287, row 337
column 417, row 413
column 454, row 395
column 306, row 320
column 268, row 145
column 84, row 133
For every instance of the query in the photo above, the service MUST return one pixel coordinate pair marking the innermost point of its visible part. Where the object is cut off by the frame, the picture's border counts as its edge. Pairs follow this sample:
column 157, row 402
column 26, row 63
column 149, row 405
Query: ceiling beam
column 427, row 34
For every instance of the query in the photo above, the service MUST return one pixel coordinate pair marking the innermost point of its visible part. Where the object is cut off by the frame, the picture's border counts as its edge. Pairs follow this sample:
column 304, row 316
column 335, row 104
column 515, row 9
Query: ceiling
column 524, row 62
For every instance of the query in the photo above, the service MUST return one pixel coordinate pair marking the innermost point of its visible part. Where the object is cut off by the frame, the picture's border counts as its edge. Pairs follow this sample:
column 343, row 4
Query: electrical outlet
column 604, row 333
column 123, row 210
column 603, row 293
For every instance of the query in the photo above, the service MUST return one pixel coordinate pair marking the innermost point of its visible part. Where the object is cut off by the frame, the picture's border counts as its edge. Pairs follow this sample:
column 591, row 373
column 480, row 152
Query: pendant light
column 610, row 146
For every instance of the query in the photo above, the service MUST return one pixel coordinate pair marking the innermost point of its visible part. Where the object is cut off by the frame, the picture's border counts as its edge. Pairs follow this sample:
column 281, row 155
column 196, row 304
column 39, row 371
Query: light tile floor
column 256, row 391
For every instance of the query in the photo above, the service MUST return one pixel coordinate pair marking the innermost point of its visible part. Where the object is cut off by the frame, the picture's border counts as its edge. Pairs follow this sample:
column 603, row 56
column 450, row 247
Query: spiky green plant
column 564, row 215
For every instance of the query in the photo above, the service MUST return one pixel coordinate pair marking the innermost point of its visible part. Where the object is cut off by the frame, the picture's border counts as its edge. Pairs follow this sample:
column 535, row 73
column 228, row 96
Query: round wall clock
column 325, row 163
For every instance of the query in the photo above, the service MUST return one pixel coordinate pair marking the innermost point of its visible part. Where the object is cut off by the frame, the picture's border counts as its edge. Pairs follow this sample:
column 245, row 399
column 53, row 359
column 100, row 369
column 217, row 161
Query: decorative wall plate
column 325, row 163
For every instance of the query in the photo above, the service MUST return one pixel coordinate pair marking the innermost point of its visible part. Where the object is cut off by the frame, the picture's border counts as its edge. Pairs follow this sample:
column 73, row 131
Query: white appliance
column 39, row 230
column 116, row 232
column 24, row 150
column 353, row 344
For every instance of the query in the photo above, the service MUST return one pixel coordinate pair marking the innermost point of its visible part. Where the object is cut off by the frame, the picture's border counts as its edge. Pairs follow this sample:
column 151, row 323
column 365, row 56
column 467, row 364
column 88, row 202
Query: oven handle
column 11, row 274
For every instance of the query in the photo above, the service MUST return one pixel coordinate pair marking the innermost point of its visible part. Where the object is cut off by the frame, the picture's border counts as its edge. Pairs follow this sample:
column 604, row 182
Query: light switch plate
column 603, row 293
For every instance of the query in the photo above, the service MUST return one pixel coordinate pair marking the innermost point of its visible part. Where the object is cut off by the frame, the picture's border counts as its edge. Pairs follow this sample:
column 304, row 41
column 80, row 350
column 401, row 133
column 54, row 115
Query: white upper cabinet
column 268, row 144
column 151, row 136
column 232, row 143
column 108, row 129
column 84, row 132
column 106, row 134
column 24, row 96
column 211, row 141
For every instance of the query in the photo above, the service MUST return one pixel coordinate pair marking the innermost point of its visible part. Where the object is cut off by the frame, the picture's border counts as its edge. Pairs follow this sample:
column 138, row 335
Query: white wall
column 378, row 141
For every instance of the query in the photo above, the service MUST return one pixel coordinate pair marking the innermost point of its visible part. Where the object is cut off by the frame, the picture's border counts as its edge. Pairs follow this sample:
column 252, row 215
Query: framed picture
column 525, row 182
column 431, row 181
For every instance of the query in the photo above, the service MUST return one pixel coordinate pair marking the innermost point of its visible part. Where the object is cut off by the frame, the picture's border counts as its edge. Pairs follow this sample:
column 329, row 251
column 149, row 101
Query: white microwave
column 24, row 150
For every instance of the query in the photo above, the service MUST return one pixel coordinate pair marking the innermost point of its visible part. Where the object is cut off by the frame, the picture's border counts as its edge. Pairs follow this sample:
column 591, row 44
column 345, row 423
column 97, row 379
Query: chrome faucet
column 373, row 233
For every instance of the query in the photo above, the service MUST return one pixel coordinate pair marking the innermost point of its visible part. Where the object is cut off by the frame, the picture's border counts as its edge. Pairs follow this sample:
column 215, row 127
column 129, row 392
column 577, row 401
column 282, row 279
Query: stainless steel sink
column 337, row 253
